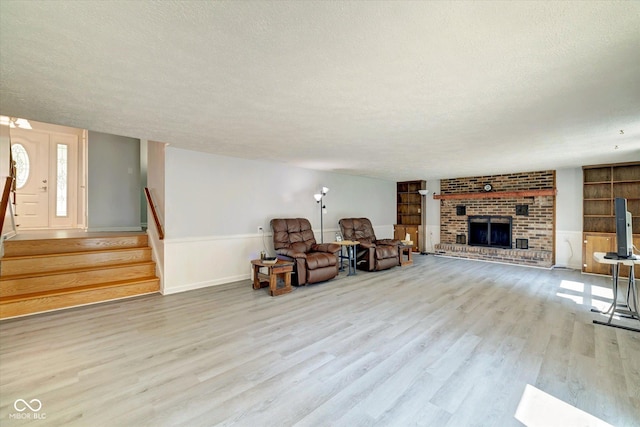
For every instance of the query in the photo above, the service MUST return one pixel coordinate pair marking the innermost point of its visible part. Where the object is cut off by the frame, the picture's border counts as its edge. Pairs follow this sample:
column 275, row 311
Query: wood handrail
column 497, row 194
column 6, row 194
column 155, row 214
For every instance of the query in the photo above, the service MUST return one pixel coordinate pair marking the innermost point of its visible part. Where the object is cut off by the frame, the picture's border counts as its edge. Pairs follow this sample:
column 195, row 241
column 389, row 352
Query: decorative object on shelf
column 323, row 209
column 488, row 187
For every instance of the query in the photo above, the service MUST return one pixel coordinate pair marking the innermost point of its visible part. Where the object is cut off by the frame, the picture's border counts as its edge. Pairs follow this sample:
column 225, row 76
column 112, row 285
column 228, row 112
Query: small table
column 405, row 250
column 350, row 246
column 281, row 269
column 631, row 305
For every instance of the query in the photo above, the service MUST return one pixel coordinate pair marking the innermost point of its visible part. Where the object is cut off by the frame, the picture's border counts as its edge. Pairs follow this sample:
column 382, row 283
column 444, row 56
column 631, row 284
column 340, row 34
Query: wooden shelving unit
column 409, row 211
column 601, row 185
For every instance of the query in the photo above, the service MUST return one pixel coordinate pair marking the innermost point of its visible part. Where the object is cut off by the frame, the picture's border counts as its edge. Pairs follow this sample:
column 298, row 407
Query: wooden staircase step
column 12, row 266
column 41, row 273
column 19, row 305
column 14, row 248
column 42, row 281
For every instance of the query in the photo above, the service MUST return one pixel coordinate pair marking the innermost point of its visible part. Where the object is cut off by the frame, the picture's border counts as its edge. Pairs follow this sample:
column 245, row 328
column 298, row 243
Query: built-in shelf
column 496, row 194
column 409, row 210
column 601, row 185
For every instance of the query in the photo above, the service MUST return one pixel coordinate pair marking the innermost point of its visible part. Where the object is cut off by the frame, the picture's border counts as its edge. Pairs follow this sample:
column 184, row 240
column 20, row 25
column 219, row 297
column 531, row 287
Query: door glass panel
column 61, row 180
column 21, row 158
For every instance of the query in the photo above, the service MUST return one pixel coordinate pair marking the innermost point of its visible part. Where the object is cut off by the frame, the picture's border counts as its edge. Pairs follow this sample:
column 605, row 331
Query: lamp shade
column 317, row 196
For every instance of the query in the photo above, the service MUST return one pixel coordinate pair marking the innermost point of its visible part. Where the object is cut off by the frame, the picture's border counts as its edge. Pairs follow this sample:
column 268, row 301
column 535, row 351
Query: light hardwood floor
column 444, row 342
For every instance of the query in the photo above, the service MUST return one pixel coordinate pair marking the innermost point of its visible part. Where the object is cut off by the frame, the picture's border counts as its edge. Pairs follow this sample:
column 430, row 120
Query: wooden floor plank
column 444, row 342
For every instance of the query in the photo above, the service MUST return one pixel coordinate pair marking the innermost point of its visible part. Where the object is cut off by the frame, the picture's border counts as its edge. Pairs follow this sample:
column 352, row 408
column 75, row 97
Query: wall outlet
column 260, row 230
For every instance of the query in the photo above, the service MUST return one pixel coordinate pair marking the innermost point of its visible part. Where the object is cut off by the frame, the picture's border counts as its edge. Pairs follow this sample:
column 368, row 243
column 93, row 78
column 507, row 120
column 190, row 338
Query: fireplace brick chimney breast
column 537, row 227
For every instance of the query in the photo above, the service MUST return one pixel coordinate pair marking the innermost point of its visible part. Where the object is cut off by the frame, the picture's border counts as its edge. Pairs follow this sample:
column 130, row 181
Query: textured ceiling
column 394, row 90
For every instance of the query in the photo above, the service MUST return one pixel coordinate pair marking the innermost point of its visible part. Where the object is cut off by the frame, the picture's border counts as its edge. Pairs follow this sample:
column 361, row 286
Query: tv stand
column 631, row 310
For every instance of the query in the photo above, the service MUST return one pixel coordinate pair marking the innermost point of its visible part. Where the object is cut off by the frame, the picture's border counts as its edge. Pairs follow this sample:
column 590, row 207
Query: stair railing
column 156, row 219
column 4, row 204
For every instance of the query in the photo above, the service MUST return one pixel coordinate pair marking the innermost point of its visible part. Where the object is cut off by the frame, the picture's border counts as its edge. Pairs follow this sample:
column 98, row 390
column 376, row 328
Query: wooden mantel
column 496, row 194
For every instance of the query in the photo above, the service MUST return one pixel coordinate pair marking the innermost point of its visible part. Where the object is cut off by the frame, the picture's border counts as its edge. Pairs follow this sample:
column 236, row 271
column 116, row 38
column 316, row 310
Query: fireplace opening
column 492, row 231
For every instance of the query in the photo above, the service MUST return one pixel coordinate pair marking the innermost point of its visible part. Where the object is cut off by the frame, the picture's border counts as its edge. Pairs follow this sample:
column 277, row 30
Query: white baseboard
column 206, row 284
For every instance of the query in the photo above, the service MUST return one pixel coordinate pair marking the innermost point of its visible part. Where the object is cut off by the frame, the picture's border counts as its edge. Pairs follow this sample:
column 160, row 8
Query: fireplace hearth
column 490, row 231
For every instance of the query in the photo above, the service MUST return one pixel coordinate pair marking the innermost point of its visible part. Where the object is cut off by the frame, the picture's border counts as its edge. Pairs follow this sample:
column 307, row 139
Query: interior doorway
column 50, row 177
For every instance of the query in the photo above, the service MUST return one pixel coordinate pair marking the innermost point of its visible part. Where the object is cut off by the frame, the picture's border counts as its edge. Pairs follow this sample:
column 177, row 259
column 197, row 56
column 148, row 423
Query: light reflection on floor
column 597, row 297
column 592, row 296
column 540, row 409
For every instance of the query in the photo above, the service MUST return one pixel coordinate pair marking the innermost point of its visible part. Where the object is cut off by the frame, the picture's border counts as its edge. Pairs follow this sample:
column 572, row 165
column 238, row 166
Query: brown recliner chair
column 372, row 254
column 293, row 240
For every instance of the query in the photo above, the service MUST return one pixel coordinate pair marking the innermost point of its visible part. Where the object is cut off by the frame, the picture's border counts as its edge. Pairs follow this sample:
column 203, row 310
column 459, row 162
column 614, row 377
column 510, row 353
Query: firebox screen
column 490, row 231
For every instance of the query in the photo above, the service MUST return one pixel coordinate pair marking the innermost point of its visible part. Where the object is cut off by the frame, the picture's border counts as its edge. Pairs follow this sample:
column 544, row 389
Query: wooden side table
column 350, row 246
column 405, row 250
column 281, row 269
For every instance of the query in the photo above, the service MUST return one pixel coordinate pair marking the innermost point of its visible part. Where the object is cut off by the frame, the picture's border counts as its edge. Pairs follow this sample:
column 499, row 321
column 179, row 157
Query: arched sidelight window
column 21, row 157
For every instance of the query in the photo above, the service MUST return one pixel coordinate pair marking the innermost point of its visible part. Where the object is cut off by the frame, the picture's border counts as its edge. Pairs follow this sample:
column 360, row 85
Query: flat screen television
column 624, row 232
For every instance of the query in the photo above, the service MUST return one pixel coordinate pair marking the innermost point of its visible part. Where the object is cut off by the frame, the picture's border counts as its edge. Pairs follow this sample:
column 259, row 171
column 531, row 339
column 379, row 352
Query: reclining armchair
column 372, row 254
column 293, row 240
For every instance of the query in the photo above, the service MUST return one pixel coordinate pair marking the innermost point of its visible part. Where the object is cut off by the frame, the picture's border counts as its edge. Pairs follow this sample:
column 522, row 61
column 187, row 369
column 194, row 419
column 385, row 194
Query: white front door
column 30, row 151
column 47, row 179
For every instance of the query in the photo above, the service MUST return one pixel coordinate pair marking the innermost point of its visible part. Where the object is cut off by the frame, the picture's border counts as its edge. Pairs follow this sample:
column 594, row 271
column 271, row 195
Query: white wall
column 155, row 183
column 113, row 183
column 144, row 159
column 569, row 218
column 214, row 205
column 5, row 147
column 433, row 215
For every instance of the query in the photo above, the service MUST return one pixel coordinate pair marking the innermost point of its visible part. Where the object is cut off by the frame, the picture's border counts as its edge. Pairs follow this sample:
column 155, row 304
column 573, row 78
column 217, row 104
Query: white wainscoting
column 433, row 237
column 569, row 249
column 157, row 254
column 194, row 263
column 199, row 262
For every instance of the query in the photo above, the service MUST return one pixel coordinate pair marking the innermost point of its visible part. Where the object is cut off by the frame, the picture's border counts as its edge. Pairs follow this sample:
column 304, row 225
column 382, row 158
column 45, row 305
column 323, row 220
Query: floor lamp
column 323, row 209
column 423, row 219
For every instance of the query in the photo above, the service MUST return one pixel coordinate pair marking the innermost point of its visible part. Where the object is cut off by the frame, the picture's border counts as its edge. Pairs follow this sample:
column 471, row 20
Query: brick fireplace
column 526, row 200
